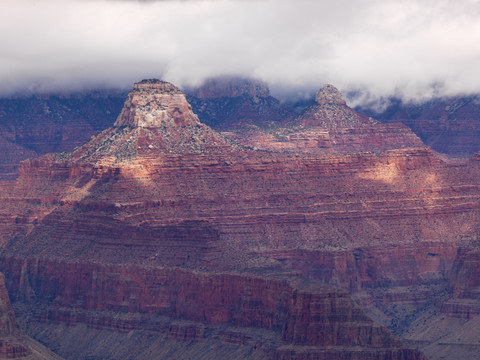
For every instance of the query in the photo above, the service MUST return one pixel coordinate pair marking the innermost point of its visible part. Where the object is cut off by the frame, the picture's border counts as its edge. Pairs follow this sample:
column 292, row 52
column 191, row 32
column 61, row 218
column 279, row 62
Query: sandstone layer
column 13, row 343
column 327, row 126
column 40, row 124
column 160, row 215
column 449, row 125
column 310, row 318
column 235, row 103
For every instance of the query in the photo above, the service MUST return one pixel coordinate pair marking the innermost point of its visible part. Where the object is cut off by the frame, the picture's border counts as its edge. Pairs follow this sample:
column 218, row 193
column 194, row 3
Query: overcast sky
column 412, row 48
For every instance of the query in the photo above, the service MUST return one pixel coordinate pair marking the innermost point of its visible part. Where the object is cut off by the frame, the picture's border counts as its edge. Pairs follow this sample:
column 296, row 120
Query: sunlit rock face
column 156, row 119
column 174, row 220
column 328, row 125
column 155, row 103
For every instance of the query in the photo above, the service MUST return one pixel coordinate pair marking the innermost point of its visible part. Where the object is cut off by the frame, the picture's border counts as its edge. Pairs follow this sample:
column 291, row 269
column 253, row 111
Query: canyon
column 163, row 235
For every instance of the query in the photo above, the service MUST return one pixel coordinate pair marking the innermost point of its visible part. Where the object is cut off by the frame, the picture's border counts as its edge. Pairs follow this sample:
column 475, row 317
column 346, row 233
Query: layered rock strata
column 125, row 215
column 449, row 125
column 328, row 126
column 309, row 317
column 236, row 103
column 13, row 343
column 36, row 125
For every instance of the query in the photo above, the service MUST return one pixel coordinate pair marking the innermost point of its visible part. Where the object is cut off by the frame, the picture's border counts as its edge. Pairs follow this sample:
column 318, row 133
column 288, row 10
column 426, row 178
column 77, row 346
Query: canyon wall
column 160, row 215
column 449, row 125
column 305, row 314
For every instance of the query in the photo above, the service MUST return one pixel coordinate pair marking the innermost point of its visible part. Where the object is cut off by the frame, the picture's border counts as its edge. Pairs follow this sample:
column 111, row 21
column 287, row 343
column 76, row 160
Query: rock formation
column 328, row 126
column 234, row 103
column 154, row 103
column 330, row 111
column 35, row 125
column 155, row 119
column 159, row 223
column 230, row 87
column 449, row 125
column 13, row 343
column 10, row 155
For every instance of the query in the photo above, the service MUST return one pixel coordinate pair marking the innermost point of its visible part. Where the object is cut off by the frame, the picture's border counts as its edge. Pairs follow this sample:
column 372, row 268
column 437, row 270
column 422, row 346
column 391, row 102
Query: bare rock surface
column 326, row 126
column 213, row 234
column 154, row 103
column 13, row 343
column 156, row 119
column 230, row 87
column 450, row 125
column 329, row 94
column 233, row 103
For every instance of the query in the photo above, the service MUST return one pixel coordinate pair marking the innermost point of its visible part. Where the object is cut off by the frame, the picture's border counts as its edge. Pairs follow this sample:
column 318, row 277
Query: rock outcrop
column 235, row 103
column 13, row 343
column 151, row 218
column 36, row 125
column 450, row 125
column 230, row 87
column 156, row 119
column 328, row 126
column 330, row 111
column 153, row 104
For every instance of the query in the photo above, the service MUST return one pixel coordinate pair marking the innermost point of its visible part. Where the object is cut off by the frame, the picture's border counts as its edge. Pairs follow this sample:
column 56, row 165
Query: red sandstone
column 119, row 226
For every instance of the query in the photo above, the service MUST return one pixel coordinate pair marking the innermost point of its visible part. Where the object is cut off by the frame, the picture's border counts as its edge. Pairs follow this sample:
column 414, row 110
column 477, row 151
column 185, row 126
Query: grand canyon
column 218, row 223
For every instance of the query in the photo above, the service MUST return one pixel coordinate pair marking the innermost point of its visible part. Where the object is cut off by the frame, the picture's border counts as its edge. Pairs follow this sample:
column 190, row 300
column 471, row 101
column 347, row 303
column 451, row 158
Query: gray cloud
column 398, row 47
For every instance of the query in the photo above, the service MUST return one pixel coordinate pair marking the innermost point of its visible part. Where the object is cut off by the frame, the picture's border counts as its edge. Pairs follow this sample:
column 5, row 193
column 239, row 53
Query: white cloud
column 388, row 46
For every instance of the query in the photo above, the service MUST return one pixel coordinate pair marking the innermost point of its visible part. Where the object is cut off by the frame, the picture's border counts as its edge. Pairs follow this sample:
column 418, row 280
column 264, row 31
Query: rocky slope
column 233, row 102
column 448, row 125
column 10, row 156
column 36, row 125
column 161, row 224
column 296, row 317
column 13, row 343
column 327, row 126
column 156, row 119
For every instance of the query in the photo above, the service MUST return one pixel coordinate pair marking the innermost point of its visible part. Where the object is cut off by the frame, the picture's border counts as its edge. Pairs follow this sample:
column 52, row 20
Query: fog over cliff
column 408, row 48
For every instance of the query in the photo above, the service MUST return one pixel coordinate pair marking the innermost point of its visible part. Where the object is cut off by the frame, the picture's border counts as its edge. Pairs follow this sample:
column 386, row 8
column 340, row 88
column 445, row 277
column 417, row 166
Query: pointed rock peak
column 329, row 94
column 154, row 103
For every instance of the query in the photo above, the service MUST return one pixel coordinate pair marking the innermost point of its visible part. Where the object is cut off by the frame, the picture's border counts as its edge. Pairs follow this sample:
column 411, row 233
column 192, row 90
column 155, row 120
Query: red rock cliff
column 12, row 342
column 109, row 227
column 328, row 126
column 307, row 315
